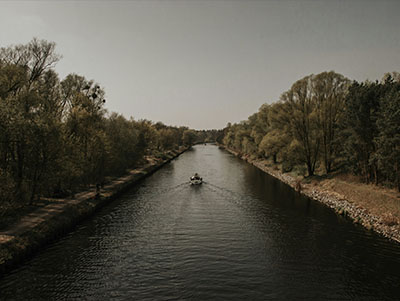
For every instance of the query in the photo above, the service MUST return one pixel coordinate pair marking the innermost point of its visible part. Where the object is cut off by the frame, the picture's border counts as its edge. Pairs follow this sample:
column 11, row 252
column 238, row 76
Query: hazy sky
column 205, row 63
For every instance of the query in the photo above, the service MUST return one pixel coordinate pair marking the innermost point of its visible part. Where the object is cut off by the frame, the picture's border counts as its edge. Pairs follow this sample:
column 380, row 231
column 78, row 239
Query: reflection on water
column 242, row 235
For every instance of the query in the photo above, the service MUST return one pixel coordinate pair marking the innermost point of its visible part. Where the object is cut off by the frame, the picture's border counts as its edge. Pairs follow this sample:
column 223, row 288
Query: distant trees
column 56, row 137
column 371, row 130
column 388, row 138
column 188, row 137
column 360, row 128
column 326, row 121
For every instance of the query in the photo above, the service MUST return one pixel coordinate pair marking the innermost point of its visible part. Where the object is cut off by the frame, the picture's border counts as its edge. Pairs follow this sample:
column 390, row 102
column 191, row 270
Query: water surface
column 240, row 236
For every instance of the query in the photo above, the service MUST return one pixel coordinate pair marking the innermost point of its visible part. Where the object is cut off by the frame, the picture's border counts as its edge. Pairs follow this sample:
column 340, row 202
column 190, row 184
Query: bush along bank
column 386, row 223
column 35, row 230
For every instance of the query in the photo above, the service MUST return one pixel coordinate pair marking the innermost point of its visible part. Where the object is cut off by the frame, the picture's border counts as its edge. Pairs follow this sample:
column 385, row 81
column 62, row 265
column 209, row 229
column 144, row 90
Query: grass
column 378, row 200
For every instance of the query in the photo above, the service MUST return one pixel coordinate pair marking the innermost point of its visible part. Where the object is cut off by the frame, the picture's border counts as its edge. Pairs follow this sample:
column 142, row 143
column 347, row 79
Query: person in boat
column 196, row 177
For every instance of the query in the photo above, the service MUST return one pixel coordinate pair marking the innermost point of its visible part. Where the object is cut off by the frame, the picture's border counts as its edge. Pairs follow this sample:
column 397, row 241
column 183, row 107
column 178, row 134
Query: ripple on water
column 240, row 236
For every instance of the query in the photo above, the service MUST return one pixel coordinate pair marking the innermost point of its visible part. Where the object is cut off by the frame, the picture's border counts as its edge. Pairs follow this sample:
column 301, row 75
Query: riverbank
column 375, row 208
column 57, row 217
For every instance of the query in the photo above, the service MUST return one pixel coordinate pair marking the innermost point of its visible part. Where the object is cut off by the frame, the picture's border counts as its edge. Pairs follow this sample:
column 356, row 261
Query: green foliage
column 56, row 136
column 360, row 128
column 29, row 122
column 302, row 120
column 330, row 90
column 388, row 140
column 188, row 137
column 324, row 120
column 273, row 143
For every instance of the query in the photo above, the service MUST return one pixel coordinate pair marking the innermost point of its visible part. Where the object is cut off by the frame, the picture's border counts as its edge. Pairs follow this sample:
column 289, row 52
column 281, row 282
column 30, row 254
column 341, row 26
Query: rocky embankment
column 384, row 225
column 35, row 230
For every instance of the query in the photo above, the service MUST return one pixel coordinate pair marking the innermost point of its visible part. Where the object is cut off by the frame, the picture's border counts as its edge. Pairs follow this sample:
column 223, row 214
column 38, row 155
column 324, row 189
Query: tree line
column 327, row 123
column 56, row 136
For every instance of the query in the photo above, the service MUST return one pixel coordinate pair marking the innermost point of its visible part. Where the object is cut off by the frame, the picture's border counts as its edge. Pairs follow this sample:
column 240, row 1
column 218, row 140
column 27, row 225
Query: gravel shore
column 384, row 225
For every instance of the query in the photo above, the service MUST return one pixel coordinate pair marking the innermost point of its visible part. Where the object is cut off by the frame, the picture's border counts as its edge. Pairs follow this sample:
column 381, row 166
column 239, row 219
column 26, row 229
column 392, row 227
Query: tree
column 360, row 128
column 260, row 125
column 23, row 70
column 35, row 57
column 55, row 137
column 388, row 139
column 188, row 137
column 274, row 142
column 329, row 89
column 82, row 103
column 300, row 113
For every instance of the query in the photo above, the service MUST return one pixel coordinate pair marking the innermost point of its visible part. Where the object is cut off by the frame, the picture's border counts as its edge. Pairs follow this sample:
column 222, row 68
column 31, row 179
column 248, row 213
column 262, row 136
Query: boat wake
column 155, row 192
column 228, row 194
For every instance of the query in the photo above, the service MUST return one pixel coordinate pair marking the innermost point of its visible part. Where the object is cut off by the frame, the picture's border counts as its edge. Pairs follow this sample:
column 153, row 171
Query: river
column 242, row 235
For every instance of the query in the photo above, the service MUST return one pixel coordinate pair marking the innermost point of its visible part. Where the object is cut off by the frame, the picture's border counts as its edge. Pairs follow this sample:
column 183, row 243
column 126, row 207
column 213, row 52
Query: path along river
column 242, row 235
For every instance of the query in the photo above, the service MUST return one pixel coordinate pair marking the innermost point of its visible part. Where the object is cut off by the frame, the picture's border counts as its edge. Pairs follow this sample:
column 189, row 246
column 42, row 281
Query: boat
column 196, row 180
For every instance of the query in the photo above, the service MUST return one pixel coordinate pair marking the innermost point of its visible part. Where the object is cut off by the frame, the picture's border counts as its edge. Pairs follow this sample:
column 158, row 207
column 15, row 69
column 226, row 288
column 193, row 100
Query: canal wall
column 37, row 229
column 338, row 202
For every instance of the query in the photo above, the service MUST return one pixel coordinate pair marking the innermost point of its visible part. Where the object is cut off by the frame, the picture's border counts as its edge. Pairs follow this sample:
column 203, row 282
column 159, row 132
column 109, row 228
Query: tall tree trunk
column 20, row 170
column 34, row 186
column 310, row 168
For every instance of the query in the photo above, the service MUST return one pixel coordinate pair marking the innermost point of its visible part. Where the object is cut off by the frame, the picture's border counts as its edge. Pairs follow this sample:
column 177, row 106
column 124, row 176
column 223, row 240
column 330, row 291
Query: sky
column 203, row 64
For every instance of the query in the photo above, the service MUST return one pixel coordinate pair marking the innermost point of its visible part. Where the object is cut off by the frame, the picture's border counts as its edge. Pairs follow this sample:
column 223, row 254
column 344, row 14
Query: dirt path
column 35, row 229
